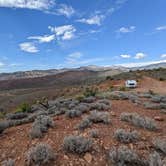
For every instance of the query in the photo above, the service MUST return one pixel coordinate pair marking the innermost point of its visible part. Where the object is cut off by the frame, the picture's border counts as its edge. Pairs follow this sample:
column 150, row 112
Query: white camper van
column 131, row 83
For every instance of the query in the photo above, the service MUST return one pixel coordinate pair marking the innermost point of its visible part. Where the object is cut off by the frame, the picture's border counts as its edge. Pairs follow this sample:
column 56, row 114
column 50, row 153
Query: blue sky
column 44, row 34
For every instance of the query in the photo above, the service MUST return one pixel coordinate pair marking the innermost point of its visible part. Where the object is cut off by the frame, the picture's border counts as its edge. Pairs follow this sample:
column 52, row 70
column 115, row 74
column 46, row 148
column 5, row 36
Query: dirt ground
column 15, row 142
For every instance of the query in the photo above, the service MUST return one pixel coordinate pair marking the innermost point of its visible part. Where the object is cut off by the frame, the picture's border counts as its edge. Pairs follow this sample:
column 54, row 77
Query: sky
column 46, row 34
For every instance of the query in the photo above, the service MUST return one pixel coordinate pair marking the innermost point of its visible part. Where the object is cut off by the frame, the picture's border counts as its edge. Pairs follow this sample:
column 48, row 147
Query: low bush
column 89, row 99
column 149, row 105
column 137, row 120
column 94, row 133
column 17, row 115
column 73, row 113
column 56, row 111
column 85, row 123
column 99, row 106
column 77, row 144
column 40, row 125
column 160, row 144
column 126, row 137
column 39, row 155
column 9, row 162
column 99, row 117
column 82, row 107
column 125, row 157
column 4, row 125
column 155, row 160
column 105, row 101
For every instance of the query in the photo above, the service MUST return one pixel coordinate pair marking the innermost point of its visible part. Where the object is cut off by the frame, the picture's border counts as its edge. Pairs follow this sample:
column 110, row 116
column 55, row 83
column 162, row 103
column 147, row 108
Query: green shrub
column 90, row 92
column 24, row 107
column 2, row 115
column 111, row 87
column 123, row 88
column 151, row 92
column 161, row 79
column 109, row 78
column 79, row 98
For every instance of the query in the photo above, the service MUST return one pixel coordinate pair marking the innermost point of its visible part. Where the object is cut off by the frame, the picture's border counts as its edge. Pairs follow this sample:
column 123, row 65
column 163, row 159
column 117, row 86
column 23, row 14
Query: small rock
column 66, row 157
column 88, row 157
column 158, row 118
column 131, row 146
column 113, row 114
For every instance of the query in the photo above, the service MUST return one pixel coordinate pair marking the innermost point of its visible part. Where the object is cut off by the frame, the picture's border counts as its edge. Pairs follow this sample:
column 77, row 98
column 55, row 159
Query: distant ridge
column 50, row 72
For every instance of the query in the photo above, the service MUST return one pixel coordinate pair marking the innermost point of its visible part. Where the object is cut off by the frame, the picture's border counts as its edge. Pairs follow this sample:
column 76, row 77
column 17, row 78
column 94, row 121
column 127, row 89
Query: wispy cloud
column 125, row 56
column 30, row 4
column 65, row 10
column 99, row 15
column 94, row 20
column 78, row 59
column 141, row 63
column 75, row 55
column 73, row 58
column 126, row 29
column 47, row 6
column 163, row 56
column 65, row 32
column 43, row 39
column 161, row 28
column 2, row 64
column 140, row 55
column 15, row 64
column 28, row 47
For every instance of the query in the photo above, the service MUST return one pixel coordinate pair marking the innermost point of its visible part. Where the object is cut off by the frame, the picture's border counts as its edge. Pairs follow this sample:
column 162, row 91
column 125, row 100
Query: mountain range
column 107, row 70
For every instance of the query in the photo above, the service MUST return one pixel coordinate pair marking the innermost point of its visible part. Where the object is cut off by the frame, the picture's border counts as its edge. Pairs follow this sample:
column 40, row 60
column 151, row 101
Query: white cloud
column 139, row 55
column 2, row 64
column 29, row 4
column 65, row 10
column 65, row 32
column 126, row 29
column 47, row 6
column 28, row 47
column 43, row 39
column 141, row 63
column 94, row 20
column 163, row 56
column 125, row 56
column 75, row 55
column 161, row 28
column 15, row 64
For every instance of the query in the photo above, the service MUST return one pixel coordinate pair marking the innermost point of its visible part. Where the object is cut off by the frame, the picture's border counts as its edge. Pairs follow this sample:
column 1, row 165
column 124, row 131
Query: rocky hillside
column 115, row 128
